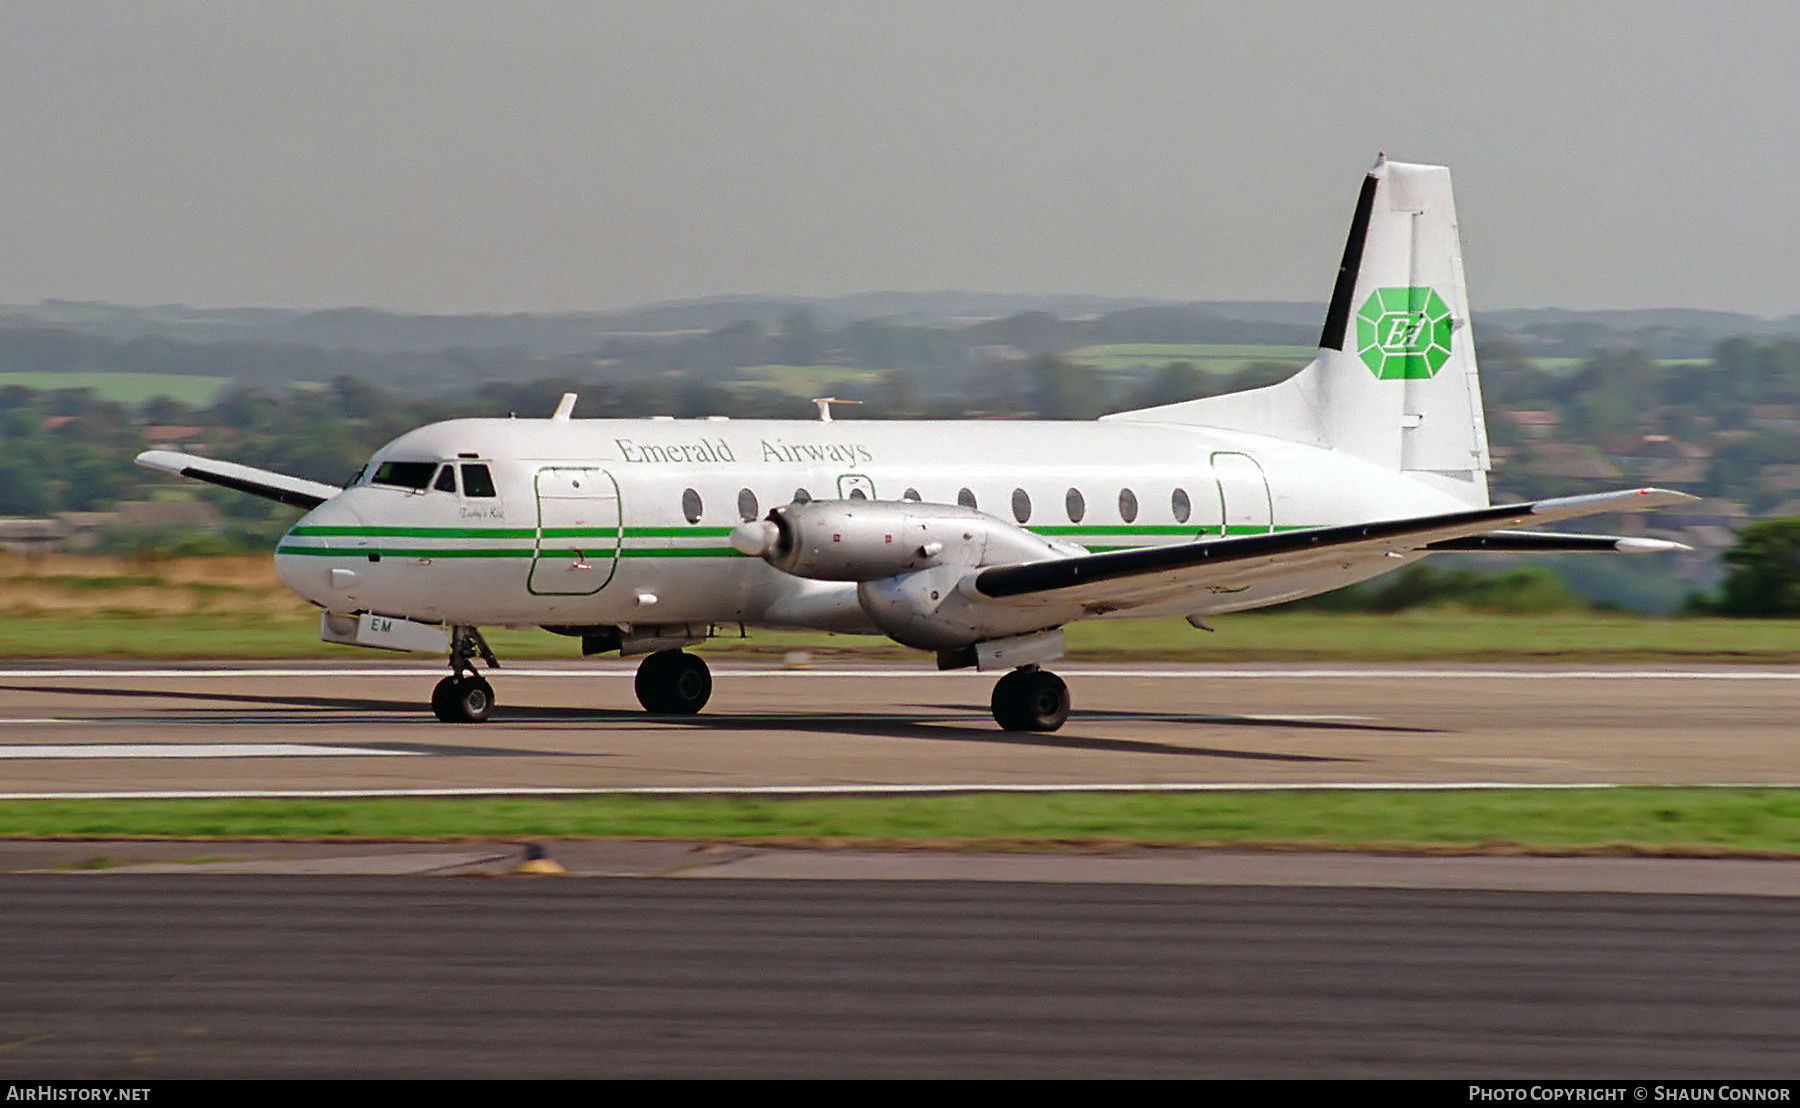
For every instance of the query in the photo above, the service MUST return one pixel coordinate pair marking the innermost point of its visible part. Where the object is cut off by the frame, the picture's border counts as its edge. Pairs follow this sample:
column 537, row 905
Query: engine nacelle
column 936, row 609
column 869, row 540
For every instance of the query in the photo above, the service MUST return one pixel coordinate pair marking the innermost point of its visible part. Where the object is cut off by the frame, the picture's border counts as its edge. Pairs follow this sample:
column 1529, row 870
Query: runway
column 261, row 729
column 138, row 978
column 667, row 959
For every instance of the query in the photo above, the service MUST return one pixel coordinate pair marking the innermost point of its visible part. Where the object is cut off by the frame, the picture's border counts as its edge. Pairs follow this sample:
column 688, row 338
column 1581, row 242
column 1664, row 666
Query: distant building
column 31, row 536
column 1569, row 461
column 1532, row 424
column 167, row 514
column 176, row 437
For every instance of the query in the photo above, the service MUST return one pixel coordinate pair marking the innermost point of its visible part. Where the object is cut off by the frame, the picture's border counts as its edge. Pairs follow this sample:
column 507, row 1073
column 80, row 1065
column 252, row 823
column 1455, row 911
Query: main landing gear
column 1030, row 699
column 673, row 683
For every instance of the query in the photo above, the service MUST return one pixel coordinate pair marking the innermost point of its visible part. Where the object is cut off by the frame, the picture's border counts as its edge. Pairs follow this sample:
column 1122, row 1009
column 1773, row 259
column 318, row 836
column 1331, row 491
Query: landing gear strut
column 674, row 683
column 465, row 696
column 1031, row 699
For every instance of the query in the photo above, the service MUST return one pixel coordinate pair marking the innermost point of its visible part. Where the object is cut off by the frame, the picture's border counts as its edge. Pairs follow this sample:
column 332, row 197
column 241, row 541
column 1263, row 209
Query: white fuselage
column 626, row 522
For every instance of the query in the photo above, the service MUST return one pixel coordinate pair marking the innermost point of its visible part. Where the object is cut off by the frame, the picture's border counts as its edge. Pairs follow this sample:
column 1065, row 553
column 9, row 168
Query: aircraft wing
column 296, row 491
column 1131, row 578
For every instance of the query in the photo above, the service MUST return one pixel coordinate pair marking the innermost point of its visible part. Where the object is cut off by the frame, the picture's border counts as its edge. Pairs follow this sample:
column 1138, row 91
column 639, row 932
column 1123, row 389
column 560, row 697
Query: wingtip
column 1599, row 503
column 1668, row 496
column 158, row 459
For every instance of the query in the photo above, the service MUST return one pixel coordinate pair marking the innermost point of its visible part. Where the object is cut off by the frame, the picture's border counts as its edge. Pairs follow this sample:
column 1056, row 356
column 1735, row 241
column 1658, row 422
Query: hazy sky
column 483, row 156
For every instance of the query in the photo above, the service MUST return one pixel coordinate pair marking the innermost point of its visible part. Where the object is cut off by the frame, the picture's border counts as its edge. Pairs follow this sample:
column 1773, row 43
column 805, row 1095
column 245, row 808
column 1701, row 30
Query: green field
column 126, row 388
column 1703, row 822
column 215, row 628
column 1139, row 357
column 805, row 381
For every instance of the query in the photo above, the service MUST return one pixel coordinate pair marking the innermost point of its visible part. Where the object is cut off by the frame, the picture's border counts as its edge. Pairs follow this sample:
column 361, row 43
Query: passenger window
column 965, row 498
column 1180, row 505
column 404, row 475
column 910, row 494
column 477, row 481
column 858, row 494
column 1127, row 505
column 747, row 505
column 446, row 481
column 801, row 496
column 1021, row 505
column 690, row 505
column 1076, row 505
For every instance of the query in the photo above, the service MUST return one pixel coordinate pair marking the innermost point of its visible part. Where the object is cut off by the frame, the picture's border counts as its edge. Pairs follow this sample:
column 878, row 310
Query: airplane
column 976, row 541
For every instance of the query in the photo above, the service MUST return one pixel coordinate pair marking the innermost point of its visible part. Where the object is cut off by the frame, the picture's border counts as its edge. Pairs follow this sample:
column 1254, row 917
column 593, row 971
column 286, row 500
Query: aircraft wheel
column 462, row 699
column 1031, row 700
column 673, row 682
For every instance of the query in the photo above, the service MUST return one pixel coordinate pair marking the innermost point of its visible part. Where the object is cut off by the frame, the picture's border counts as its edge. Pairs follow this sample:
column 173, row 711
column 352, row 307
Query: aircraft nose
column 317, row 557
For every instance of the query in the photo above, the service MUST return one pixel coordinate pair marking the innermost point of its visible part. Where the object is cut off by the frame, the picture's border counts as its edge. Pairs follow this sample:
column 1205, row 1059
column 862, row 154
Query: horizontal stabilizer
column 1550, row 542
column 295, row 491
column 1131, row 578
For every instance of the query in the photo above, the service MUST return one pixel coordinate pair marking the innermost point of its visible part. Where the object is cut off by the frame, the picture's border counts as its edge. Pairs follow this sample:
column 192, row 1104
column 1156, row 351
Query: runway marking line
column 194, row 750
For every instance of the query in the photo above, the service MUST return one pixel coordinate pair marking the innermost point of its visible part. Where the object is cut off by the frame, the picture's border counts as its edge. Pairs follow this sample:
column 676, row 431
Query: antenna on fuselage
column 564, row 407
column 825, row 403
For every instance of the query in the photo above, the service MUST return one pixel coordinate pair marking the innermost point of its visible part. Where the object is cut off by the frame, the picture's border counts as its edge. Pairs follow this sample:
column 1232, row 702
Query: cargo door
column 854, row 486
column 576, row 550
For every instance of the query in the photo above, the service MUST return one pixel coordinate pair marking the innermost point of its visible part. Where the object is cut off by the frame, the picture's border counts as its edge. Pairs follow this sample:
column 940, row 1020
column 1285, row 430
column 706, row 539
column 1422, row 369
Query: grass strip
column 1252, row 637
column 1669, row 821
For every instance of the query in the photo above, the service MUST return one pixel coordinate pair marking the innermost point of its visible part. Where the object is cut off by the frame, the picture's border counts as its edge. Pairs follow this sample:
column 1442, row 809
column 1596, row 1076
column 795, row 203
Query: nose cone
column 317, row 557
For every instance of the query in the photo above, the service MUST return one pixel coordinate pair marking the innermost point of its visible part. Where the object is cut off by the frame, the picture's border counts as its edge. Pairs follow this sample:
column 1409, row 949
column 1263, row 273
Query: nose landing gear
column 465, row 696
column 462, row 698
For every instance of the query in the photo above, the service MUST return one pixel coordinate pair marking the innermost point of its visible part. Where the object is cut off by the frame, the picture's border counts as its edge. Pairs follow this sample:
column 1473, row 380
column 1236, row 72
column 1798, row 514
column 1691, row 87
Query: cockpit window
column 477, row 481
column 446, row 481
column 404, row 475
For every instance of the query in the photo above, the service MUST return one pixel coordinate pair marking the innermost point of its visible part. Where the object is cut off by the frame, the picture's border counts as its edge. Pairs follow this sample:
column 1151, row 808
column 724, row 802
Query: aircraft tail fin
column 1394, row 382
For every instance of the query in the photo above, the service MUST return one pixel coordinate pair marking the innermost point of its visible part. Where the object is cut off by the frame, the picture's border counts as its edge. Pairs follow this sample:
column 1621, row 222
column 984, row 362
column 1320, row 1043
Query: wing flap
column 1131, row 578
column 295, row 491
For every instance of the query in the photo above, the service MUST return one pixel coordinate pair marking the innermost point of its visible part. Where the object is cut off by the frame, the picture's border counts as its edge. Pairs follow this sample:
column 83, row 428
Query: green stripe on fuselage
column 608, row 540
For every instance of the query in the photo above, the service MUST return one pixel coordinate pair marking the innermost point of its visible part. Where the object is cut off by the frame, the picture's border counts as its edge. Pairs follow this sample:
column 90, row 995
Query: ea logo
column 1403, row 333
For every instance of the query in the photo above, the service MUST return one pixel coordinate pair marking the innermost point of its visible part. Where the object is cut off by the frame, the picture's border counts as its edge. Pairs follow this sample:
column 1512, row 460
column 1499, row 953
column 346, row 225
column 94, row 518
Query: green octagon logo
column 1403, row 333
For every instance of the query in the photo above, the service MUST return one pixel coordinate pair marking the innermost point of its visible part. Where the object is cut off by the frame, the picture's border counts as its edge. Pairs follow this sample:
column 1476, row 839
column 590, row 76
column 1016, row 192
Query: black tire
column 673, row 682
column 462, row 699
column 651, row 681
column 1030, row 700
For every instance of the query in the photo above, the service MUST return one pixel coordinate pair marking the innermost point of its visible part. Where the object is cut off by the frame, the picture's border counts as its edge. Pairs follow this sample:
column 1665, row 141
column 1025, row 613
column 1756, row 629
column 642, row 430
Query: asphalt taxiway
column 124, row 729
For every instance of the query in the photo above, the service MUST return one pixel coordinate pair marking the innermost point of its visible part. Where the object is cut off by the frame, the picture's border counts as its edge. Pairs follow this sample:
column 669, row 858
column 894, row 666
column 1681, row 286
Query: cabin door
column 579, row 532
